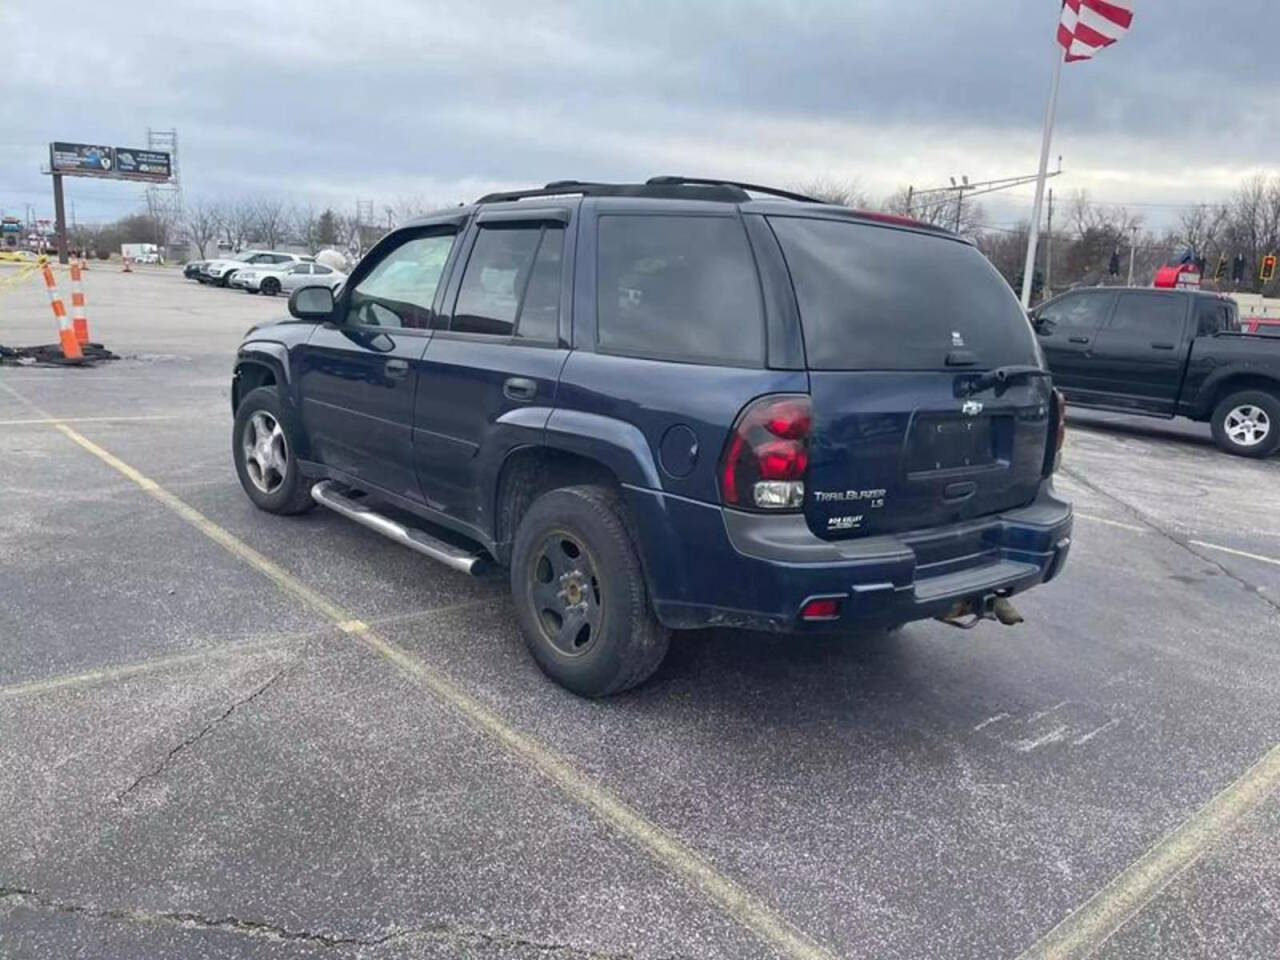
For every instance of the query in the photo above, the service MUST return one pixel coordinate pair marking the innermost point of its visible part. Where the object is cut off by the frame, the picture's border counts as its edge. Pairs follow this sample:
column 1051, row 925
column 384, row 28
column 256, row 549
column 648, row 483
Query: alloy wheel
column 266, row 452
column 1247, row 425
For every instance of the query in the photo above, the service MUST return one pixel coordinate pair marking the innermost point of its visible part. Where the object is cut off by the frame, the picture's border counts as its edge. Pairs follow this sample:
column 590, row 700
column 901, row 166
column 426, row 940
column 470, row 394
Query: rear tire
column 580, row 593
column 265, row 442
column 1247, row 424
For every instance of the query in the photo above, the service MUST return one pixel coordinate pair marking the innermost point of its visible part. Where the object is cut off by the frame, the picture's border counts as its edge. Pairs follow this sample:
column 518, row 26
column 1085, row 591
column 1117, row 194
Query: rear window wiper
column 1001, row 378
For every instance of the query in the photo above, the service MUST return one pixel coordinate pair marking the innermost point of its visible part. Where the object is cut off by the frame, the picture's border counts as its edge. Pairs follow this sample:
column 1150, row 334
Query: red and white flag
column 1089, row 25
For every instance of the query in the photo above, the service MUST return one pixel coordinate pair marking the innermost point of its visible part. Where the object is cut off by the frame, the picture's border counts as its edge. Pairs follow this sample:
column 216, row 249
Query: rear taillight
column 1057, row 432
column 767, row 454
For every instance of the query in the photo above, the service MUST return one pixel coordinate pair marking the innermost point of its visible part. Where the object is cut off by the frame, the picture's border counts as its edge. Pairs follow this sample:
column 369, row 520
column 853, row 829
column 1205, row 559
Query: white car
column 287, row 278
column 222, row 272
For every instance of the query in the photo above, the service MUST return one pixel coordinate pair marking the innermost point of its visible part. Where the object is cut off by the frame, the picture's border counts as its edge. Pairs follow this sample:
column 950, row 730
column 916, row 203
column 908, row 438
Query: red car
column 1267, row 326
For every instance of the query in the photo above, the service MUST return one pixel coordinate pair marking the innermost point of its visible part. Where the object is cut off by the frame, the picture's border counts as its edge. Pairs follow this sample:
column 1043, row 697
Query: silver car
column 288, row 277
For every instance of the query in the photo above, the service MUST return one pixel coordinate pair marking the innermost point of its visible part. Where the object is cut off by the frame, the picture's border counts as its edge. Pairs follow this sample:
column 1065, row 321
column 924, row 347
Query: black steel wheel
column 566, row 594
column 580, row 593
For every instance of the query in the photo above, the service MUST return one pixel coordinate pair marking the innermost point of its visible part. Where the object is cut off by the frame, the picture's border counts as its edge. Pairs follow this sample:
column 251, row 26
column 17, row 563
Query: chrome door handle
column 397, row 369
column 520, row 389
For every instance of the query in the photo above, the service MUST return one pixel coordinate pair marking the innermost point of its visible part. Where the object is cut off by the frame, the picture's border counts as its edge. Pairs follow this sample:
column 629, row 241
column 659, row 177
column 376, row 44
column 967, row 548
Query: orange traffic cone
column 79, row 322
column 66, row 336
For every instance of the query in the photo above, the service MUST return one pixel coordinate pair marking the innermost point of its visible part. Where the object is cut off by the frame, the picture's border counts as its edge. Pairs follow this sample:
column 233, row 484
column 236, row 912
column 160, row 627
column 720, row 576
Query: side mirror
column 312, row 303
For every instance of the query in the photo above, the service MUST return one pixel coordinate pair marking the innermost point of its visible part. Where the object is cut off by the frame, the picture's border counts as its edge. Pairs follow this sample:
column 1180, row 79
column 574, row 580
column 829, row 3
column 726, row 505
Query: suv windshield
column 883, row 298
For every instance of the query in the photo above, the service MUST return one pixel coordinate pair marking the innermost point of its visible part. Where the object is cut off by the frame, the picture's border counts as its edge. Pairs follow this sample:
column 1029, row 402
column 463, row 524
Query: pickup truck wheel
column 580, row 593
column 1247, row 424
column 265, row 441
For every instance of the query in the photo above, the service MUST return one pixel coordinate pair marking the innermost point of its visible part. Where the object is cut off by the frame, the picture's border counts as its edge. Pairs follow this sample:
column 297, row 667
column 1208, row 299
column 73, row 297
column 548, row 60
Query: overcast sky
column 328, row 102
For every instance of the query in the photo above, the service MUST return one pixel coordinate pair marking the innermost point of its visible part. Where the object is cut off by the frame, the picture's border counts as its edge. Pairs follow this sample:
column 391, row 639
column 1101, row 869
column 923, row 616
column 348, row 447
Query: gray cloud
column 332, row 101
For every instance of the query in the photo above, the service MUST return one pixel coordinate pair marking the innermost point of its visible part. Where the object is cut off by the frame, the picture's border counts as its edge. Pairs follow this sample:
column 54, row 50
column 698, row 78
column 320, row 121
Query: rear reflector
column 821, row 608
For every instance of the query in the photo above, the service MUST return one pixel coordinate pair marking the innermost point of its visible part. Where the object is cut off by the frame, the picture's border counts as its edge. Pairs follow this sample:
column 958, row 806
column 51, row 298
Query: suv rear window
column 679, row 288
column 882, row 298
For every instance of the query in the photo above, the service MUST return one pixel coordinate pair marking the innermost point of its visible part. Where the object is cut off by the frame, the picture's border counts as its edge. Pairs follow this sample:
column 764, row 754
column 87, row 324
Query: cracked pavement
column 195, row 765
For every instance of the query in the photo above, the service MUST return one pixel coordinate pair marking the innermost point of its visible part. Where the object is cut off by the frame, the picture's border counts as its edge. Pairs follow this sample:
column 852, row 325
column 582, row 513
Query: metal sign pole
column 60, row 218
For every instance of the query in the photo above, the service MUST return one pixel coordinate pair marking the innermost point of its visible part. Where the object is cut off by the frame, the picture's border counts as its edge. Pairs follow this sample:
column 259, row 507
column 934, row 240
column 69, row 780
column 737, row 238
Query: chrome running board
column 327, row 494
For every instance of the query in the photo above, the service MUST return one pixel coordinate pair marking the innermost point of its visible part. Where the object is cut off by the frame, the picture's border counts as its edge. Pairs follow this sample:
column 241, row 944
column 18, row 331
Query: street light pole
column 1133, row 250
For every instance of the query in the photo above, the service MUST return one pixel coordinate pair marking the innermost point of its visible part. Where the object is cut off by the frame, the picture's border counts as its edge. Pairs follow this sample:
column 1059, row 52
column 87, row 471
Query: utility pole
column 1048, row 251
column 911, row 192
column 960, row 188
column 1133, row 249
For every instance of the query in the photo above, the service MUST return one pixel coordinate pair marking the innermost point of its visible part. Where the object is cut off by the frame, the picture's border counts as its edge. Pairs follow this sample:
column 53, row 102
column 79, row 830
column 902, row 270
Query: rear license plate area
column 950, row 443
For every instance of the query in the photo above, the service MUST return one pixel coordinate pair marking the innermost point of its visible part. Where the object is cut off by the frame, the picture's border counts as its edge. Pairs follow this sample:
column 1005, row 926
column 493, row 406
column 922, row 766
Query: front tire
column 265, row 442
column 580, row 593
column 1247, row 424
column 270, row 286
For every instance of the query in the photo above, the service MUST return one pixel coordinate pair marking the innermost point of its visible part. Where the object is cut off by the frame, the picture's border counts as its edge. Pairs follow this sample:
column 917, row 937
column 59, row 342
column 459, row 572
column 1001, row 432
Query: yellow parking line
column 126, row 419
column 1082, row 933
column 680, row 859
column 124, row 671
column 140, row 667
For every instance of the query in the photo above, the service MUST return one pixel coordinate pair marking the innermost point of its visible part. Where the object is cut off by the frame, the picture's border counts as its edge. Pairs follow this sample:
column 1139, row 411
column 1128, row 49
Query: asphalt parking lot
column 229, row 734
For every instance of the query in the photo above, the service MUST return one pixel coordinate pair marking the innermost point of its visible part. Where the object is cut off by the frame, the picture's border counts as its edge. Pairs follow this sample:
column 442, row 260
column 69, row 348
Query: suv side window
column 1154, row 316
column 678, row 288
column 1078, row 313
column 511, row 286
column 401, row 287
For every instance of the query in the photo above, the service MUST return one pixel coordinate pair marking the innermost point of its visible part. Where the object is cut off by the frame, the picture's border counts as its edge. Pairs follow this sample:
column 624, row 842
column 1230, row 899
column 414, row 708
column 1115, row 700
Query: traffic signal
column 1221, row 272
column 1268, row 268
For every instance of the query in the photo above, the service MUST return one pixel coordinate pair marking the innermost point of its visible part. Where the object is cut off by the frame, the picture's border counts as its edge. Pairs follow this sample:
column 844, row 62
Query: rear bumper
column 707, row 566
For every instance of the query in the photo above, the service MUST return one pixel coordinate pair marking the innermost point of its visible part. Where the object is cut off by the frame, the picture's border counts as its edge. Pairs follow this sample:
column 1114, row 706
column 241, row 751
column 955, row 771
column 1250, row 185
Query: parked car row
column 264, row 271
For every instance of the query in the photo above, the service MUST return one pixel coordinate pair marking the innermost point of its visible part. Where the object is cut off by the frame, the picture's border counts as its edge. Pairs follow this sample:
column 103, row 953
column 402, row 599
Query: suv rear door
column 1139, row 354
column 897, row 322
column 493, row 368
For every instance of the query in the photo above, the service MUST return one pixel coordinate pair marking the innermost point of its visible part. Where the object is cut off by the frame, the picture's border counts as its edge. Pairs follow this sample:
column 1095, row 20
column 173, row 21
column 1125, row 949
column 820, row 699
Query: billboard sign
column 116, row 163
column 132, row 162
column 85, row 159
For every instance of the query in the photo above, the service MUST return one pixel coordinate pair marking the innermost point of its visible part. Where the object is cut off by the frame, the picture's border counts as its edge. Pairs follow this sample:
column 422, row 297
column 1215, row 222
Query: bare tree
column 163, row 212
column 201, row 224
column 844, row 193
column 347, row 229
column 937, row 208
column 235, row 222
column 270, row 221
column 306, row 227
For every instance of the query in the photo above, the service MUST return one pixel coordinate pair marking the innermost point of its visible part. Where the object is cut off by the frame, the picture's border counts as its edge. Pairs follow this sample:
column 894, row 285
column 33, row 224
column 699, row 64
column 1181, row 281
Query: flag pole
column 1050, row 114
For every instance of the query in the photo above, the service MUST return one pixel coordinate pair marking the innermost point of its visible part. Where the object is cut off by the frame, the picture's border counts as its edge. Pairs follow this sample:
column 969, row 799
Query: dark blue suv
column 671, row 405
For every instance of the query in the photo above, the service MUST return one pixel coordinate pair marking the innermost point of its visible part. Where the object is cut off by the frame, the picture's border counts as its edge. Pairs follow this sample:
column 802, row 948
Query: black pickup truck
column 1165, row 353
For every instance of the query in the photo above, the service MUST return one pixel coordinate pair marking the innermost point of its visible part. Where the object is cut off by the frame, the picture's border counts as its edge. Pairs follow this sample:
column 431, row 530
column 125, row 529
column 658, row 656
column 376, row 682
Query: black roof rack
column 666, row 188
column 752, row 187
